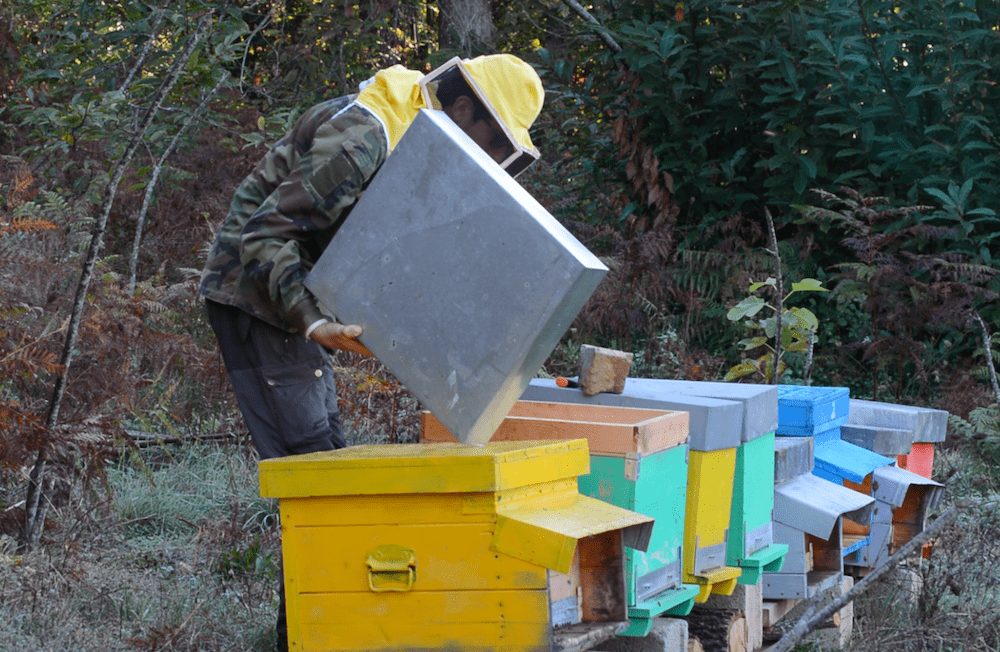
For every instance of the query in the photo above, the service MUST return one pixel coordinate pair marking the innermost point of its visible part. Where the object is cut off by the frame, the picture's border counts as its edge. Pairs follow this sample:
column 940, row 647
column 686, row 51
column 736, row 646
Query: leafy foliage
column 904, row 294
column 798, row 329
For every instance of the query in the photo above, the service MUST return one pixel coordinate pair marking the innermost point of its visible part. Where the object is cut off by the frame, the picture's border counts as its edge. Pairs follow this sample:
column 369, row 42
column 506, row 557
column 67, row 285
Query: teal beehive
column 750, row 544
column 654, row 485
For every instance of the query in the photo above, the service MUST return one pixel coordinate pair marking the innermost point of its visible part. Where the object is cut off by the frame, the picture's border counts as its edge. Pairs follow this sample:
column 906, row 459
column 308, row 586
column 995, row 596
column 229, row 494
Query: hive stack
column 809, row 514
column 638, row 461
column 838, row 424
column 750, row 542
column 714, row 436
column 448, row 546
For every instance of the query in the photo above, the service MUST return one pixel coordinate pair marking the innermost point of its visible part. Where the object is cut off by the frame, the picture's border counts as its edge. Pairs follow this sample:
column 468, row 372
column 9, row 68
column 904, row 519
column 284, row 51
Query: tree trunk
column 466, row 25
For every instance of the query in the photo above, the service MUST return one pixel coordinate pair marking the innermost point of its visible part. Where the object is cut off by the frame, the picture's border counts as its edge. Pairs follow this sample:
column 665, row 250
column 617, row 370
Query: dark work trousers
column 285, row 389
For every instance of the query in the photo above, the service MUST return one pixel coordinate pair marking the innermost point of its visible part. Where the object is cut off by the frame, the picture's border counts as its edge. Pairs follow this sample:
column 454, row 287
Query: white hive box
column 462, row 282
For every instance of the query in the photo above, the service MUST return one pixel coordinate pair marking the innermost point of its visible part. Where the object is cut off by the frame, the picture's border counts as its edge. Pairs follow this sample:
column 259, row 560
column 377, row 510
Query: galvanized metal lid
column 927, row 425
column 813, row 505
column 760, row 402
column 460, row 280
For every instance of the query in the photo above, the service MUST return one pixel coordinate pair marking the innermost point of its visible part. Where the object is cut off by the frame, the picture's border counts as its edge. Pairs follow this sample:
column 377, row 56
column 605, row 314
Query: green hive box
column 750, row 544
column 654, row 485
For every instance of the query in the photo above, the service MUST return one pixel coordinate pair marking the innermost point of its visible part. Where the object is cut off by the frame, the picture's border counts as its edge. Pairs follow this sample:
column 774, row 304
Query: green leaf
column 746, row 308
column 940, row 194
column 744, row 368
column 806, row 318
column 770, row 327
column 798, row 346
column 808, row 285
column 752, row 343
column 770, row 281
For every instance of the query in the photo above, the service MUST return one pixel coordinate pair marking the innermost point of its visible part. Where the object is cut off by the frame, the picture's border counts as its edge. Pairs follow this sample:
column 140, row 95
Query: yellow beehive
column 447, row 546
column 706, row 522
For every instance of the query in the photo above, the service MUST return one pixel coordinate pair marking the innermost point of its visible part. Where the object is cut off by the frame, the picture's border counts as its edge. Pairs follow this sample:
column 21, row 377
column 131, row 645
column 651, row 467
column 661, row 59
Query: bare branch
column 780, row 300
column 807, row 372
column 586, row 15
column 806, row 624
column 989, row 354
column 263, row 23
column 144, row 53
column 33, row 514
column 154, row 177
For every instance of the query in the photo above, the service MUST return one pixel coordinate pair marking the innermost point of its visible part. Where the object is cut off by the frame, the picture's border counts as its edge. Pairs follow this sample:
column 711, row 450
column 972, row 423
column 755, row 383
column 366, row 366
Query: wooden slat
column 608, row 430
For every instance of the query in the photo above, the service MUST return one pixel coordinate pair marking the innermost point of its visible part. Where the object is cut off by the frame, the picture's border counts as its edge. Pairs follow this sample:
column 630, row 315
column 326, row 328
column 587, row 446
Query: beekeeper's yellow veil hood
column 509, row 88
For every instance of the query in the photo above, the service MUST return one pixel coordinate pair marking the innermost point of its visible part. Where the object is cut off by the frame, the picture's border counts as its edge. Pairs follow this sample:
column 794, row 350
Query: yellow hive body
column 709, row 502
column 446, row 546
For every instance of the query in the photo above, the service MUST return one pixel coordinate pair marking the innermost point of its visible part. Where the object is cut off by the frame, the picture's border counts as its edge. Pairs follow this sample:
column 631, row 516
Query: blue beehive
column 810, row 411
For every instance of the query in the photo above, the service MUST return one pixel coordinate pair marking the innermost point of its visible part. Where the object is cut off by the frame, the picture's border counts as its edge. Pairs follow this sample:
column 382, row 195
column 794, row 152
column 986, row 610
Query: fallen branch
column 806, row 624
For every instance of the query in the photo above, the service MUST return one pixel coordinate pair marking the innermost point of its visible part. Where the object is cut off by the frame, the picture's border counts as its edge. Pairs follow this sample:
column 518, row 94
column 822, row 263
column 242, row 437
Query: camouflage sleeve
column 287, row 233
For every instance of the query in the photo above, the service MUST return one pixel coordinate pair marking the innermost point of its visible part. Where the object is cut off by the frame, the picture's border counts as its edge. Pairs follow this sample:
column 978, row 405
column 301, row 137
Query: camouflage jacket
column 287, row 210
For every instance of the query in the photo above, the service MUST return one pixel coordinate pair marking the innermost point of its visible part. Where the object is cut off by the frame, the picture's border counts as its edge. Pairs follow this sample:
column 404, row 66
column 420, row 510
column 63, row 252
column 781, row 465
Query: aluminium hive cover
column 461, row 281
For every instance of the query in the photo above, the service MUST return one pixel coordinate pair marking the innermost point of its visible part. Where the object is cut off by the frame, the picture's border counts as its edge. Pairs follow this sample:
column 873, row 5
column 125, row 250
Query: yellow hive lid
column 423, row 468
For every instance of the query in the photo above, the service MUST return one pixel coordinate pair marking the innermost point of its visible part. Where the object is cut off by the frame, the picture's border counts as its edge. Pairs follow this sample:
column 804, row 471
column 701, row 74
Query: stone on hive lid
column 461, row 281
column 603, row 370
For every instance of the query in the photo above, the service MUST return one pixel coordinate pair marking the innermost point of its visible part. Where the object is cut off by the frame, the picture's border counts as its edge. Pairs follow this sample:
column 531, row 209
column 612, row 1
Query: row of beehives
column 507, row 547
column 851, row 482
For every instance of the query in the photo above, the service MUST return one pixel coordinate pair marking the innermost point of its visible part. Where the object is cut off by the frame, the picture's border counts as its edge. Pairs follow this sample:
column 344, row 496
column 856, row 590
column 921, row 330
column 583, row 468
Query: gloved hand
column 338, row 336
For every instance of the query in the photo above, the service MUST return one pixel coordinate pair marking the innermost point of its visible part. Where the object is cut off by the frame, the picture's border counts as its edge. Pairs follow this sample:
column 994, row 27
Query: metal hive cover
column 760, row 402
column 926, row 424
column 462, row 282
column 714, row 424
column 878, row 439
column 813, row 505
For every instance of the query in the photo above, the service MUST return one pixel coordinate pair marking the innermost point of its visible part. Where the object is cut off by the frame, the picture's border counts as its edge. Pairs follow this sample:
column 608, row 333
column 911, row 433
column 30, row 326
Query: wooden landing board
column 608, row 430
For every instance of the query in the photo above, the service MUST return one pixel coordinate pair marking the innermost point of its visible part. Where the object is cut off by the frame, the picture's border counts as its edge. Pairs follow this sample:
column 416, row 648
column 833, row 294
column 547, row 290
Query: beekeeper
column 270, row 328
